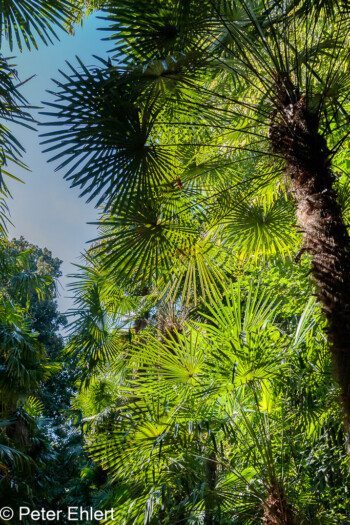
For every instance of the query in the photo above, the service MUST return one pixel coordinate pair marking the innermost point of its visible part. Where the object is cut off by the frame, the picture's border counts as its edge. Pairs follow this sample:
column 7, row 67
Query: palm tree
column 216, row 116
column 220, row 422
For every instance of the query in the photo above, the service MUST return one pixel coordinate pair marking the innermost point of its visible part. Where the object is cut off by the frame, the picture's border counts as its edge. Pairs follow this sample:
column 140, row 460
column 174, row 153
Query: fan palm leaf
column 165, row 28
column 112, row 156
column 26, row 21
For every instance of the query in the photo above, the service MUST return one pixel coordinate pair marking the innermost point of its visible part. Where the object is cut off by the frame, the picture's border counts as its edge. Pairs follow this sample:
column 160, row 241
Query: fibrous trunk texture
column 276, row 509
column 294, row 134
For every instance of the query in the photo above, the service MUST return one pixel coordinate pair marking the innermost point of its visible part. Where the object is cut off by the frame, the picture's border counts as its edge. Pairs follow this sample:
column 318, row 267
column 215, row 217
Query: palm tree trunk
column 210, row 468
column 294, row 134
column 276, row 509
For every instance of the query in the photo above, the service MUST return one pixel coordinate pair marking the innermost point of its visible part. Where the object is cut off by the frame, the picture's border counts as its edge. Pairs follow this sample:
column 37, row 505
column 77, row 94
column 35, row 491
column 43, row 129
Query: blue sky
column 44, row 209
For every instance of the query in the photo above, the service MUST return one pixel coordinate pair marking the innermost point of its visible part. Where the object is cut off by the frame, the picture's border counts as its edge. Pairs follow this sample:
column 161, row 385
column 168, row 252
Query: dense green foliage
column 197, row 384
column 213, row 414
column 27, row 340
column 42, row 461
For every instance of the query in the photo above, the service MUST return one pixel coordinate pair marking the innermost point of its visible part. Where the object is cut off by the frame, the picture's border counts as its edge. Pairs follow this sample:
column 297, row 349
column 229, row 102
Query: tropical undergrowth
column 217, row 413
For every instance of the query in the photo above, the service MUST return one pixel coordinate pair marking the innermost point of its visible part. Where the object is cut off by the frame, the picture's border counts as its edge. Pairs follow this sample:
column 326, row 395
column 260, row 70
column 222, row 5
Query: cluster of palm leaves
column 24, row 363
column 208, row 398
column 213, row 415
column 205, row 398
column 171, row 137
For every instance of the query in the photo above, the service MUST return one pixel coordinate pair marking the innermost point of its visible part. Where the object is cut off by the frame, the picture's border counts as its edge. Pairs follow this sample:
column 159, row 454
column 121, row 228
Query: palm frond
column 164, row 28
column 258, row 228
column 26, row 21
column 13, row 110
